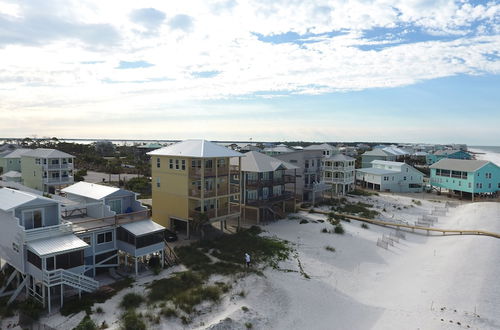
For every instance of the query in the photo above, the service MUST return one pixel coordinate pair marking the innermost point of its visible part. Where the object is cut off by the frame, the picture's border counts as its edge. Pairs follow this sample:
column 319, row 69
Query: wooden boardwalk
column 429, row 230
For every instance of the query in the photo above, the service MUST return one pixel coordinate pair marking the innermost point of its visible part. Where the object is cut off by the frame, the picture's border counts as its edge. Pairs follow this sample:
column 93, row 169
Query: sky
column 266, row 70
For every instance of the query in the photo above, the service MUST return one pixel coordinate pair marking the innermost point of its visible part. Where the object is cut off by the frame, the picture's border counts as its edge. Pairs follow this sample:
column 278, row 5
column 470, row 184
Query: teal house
column 441, row 154
column 468, row 178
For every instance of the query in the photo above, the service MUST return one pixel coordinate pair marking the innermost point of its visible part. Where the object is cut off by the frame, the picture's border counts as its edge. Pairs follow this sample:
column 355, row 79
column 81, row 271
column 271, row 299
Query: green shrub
column 248, row 325
column 245, row 308
column 303, row 221
column 31, row 309
column 339, row 229
column 416, row 202
column 132, row 321
column 86, row 324
column 169, row 312
column 312, row 211
column 364, row 226
column 99, row 310
column 324, row 230
column 131, row 300
column 330, row 248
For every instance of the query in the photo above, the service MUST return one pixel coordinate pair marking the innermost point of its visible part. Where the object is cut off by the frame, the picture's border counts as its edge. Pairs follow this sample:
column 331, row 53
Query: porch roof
column 143, row 227
column 56, row 245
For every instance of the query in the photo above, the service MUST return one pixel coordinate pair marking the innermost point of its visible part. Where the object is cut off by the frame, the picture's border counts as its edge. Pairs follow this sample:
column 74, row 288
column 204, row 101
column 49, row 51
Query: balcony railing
column 338, row 168
column 338, row 180
column 196, row 172
column 62, row 179
column 116, row 220
column 46, row 232
column 221, row 212
column 286, row 195
column 58, row 166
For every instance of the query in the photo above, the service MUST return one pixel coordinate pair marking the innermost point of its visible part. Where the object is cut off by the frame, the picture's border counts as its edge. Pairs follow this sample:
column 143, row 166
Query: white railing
column 338, row 168
column 49, row 231
column 57, row 180
column 62, row 276
column 57, row 166
column 339, row 180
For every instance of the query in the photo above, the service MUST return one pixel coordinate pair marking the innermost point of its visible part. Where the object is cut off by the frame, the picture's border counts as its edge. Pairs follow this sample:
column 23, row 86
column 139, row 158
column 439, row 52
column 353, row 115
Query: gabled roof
column 386, row 163
column 376, row 152
column 278, row 149
column 376, row 171
column 255, row 161
column 143, row 227
column 47, row 153
column 395, row 151
column 11, row 198
column 56, row 245
column 460, row 164
column 17, row 153
column 339, row 157
column 195, row 149
column 90, row 190
column 447, row 152
column 323, row 146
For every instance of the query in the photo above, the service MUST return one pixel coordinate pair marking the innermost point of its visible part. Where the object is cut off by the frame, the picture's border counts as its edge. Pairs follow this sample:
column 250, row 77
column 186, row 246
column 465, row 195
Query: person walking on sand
column 247, row 259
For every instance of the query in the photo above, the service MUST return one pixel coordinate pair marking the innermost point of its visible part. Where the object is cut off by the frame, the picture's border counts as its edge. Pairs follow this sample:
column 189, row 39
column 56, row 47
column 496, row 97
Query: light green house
column 11, row 161
column 46, row 169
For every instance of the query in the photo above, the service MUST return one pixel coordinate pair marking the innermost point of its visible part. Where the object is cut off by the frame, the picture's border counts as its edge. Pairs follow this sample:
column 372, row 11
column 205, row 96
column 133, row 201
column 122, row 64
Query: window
column 87, row 240
column 470, row 185
column 33, row 219
column 183, row 164
column 221, row 162
column 15, row 247
column 176, row 164
column 489, row 185
column 157, row 182
column 70, row 160
column 158, row 162
column 105, row 237
column 38, row 161
column 69, row 260
column 34, row 260
column 54, row 161
column 293, row 161
column 49, row 263
column 116, row 205
column 404, row 178
column 171, row 164
column 208, row 163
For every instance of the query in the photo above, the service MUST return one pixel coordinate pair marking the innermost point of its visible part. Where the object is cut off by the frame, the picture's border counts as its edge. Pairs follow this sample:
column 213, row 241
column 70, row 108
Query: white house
column 390, row 176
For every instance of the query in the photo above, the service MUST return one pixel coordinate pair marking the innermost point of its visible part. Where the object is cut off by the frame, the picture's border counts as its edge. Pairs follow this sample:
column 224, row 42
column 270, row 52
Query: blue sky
column 409, row 71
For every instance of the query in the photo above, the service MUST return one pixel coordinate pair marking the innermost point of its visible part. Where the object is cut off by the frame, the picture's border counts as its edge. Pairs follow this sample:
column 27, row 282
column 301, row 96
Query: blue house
column 453, row 154
column 466, row 177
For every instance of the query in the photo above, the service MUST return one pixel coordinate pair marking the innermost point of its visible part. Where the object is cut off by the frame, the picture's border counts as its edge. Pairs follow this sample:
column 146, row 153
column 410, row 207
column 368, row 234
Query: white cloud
column 70, row 63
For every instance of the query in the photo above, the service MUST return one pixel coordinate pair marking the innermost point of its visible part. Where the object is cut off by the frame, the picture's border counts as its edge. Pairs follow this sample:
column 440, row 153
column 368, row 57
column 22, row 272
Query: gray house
column 50, row 246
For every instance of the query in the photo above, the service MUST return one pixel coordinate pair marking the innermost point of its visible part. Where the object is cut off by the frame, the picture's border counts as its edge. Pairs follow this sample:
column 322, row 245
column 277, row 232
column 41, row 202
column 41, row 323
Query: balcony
column 58, row 166
column 338, row 180
column 272, row 199
column 212, row 214
column 209, row 172
column 46, row 232
column 63, row 179
column 338, row 168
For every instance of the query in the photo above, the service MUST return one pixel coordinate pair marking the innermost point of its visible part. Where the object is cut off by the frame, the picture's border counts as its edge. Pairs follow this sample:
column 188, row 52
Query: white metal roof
column 376, row 171
column 195, row 149
column 11, row 174
column 323, row 146
column 395, row 151
column 17, row 153
column 255, row 161
column 142, row 227
column 56, row 245
column 90, row 190
column 377, row 152
column 459, row 164
column 11, row 198
column 47, row 153
column 278, row 149
column 386, row 163
column 340, row 157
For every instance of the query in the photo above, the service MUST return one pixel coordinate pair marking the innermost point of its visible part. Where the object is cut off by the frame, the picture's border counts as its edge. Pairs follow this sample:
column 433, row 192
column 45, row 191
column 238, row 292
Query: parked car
column 170, row 236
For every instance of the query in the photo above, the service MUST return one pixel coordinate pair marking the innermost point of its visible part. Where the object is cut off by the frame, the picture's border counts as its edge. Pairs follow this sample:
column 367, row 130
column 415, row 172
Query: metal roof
column 446, row 152
column 377, row 152
column 255, row 161
column 195, row 149
column 340, row 157
column 459, row 164
column 56, row 245
column 11, row 174
column 143, row 227
column 376, row 171
column 11, row 198
column 47, row 153
column 386, row 163
column 278, row 149
column 323, row 146
column 395, row 151
column 17, row 153
column 90, row 190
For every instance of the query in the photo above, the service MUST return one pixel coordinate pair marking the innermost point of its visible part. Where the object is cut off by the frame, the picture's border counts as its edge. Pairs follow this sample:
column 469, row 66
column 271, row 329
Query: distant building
column 45, row 169
column 447, row 153
column 338, row 171
column 390, row 176
column 308, row 172
column 466, row 177
column 327, row 149
column 278, row 150
column 376, row 154
column 263, row 195
column 11, row 160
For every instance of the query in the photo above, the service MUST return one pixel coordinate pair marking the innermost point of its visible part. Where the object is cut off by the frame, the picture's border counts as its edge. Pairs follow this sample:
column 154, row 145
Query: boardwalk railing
column 413, row 228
